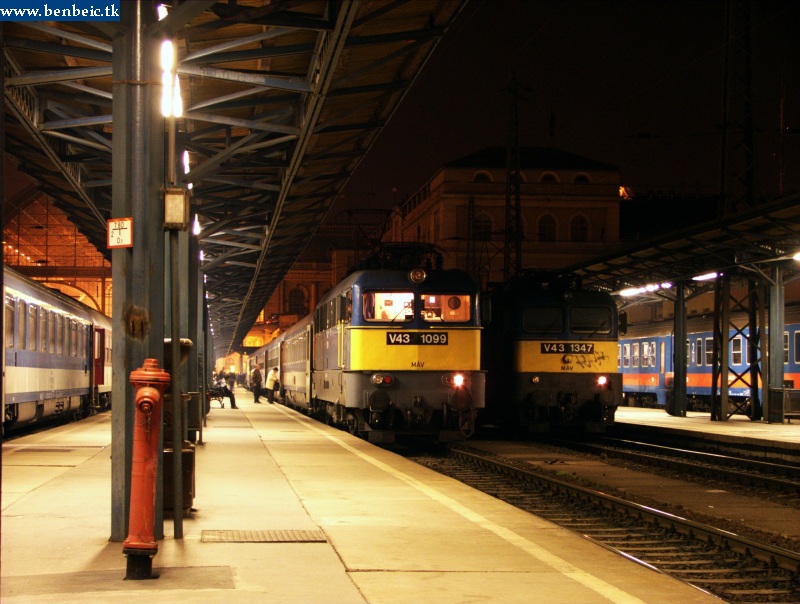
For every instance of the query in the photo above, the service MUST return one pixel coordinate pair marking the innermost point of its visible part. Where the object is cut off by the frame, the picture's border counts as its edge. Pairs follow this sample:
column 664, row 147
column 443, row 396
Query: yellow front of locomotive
column 412, row 354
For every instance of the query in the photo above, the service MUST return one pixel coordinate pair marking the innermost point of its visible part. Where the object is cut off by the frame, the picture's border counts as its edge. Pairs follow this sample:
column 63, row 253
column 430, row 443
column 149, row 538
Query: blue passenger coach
column 646, row 358
column 56, row 355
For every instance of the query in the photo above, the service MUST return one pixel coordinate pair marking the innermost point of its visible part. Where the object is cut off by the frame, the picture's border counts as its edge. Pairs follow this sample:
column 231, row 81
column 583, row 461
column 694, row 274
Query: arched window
column 579, row 229
column 298, row 301
column 548, row 177
column 581, row 179
column 483, row 228
column 547, row 228
column 482, row 177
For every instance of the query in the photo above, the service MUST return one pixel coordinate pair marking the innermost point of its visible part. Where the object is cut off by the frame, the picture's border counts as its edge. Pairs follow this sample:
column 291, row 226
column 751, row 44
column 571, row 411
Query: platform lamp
column 176, row 218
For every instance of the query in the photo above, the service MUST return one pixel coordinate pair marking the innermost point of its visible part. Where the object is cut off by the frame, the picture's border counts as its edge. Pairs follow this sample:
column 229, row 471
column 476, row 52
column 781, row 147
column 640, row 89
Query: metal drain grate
column 263, row 537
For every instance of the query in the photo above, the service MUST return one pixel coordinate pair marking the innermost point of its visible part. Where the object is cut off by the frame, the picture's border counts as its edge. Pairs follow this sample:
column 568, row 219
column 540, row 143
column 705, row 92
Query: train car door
column 98, row 356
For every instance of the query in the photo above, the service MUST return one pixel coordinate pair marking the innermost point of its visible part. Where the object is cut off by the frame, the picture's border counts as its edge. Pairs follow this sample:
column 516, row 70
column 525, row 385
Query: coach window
column 785, row 347
column 447, row 308
column 635, row 355
column 736, row 350
column 626, row 355
column 9, row 322
column 542, row 320
column 43, row 329
column 709, row 351
column 797, row 346
column 22, row 323
column 645, row 354
column 698, row 353
column 51, row 332
column 395, row 307
column 33, row 323
column 651, row 355
column 59, row 334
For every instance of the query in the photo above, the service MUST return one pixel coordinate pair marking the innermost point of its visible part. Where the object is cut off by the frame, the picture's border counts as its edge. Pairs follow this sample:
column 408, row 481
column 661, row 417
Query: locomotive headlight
column 535, row 379
column 417, row 275
column 381, row 379
column 456, row 380
column 602, row 380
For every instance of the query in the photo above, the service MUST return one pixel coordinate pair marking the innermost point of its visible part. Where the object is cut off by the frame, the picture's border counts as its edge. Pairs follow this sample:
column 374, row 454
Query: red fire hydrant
column 140, row 547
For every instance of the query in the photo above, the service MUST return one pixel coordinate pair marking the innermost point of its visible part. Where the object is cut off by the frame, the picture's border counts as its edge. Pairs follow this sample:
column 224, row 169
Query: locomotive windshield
column 590, row 319
column 542, row 320
column 447, row 308
column 395, row 307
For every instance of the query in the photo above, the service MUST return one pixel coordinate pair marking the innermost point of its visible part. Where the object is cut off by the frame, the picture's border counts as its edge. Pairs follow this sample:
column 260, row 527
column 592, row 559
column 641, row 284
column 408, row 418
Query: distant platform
column 738, row 426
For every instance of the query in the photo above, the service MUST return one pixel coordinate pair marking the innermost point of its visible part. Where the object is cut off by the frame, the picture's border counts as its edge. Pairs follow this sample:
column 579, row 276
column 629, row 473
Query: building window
column 482, row 177
column 547, row 228
column 483, row 228
column 581, row 179
column 579, row 229
column 298, row 301
column 548, row 177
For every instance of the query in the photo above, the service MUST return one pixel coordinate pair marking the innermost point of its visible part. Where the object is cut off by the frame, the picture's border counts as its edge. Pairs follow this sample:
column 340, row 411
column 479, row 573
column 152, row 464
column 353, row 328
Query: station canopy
column 282, row 100
column 745, row 244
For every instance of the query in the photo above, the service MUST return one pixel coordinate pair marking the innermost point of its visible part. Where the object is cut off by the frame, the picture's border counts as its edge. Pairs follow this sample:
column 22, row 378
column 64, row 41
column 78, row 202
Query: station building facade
column 569, row 208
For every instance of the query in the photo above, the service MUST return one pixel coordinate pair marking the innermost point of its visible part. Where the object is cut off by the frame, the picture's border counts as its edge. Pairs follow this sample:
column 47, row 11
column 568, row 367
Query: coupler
column 140, row 547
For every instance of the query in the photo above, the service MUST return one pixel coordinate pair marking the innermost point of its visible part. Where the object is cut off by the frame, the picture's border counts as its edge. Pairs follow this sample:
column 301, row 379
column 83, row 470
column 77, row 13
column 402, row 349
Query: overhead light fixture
column 706, row 277
column 644, row 289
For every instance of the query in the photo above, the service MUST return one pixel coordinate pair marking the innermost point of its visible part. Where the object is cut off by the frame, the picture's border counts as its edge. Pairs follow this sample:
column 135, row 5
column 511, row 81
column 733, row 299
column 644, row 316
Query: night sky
column 636, row 84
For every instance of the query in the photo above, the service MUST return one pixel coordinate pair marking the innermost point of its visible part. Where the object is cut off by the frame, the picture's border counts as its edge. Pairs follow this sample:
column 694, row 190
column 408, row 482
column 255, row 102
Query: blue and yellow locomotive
column 551, row 356
column 388, row 352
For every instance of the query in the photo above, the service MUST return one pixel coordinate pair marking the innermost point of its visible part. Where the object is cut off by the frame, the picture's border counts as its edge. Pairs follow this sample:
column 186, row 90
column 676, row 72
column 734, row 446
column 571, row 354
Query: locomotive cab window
column 590, row 319
column 395, row 307
column 447, row 308
column 543, row 320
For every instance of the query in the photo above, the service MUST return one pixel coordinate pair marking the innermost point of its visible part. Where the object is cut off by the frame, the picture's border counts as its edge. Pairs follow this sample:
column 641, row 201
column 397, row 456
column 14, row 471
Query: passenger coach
column 56, row 355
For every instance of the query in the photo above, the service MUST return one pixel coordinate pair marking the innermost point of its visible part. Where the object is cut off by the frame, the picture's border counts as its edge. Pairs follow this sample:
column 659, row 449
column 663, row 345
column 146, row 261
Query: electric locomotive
column 389, row 352
column 550, row 352
column 56, row 355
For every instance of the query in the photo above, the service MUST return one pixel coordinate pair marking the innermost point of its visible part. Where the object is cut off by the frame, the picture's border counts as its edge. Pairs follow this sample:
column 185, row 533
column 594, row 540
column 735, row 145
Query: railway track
column 767, row 478
column 732, row 567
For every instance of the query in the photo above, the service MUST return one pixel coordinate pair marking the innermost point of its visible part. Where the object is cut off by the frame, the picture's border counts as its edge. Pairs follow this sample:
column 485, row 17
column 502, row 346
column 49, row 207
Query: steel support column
column 678, row 407
column 137, row 272
column 775, row 367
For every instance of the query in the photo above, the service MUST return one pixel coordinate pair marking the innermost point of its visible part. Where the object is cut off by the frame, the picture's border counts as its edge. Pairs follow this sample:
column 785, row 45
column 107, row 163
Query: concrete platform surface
column 290, row 510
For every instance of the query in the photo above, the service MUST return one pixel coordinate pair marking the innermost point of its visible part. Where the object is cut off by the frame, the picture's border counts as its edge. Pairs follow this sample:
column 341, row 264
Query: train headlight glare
column 458, row 380
column 602, row 380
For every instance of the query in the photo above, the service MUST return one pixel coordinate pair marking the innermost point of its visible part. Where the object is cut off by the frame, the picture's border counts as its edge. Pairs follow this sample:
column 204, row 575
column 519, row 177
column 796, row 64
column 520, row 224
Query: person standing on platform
column 255, row 382
column 272, row 384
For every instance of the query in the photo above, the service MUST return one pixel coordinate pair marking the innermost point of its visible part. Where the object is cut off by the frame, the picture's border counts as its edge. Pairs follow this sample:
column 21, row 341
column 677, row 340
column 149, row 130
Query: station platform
column 290, row 510
column 738, row 428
